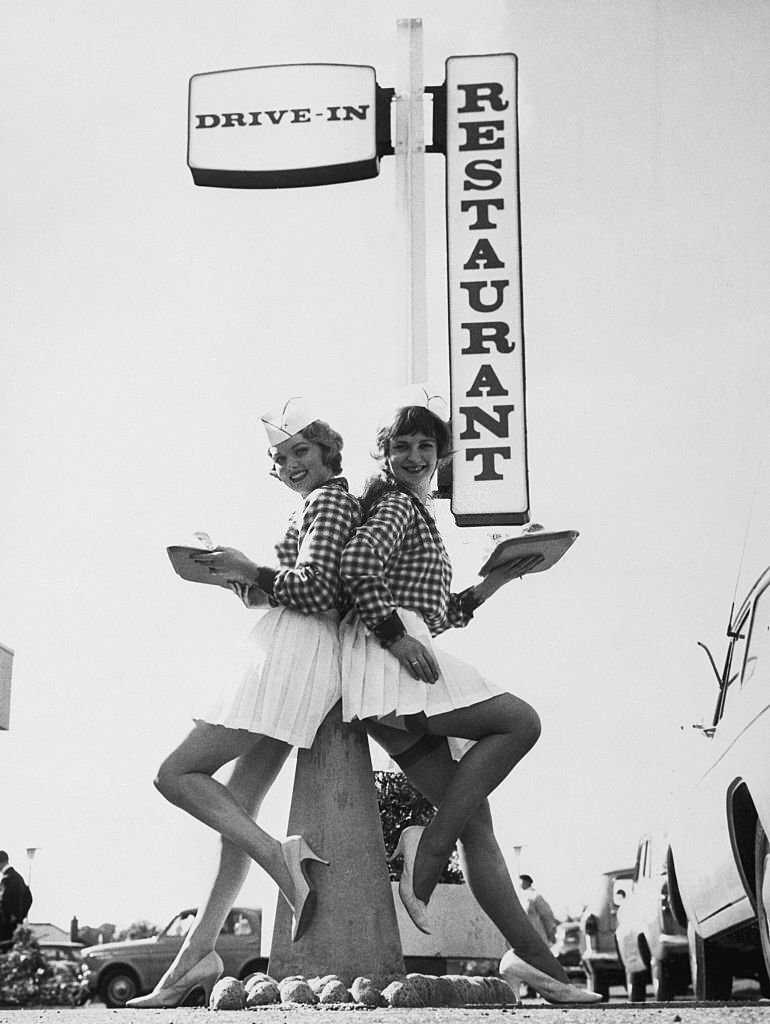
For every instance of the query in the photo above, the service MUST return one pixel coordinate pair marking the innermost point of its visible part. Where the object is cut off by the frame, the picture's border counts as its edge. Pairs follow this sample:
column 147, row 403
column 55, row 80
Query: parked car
column 652, row 944
column 600, row 956
column 70, row 952
column 118, row 971
column 719, row 865
column 568, row 947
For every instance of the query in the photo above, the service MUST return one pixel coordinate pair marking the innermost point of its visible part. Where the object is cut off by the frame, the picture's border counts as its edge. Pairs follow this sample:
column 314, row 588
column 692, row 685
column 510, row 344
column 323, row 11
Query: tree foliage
column 401, row 805
column 137, row 930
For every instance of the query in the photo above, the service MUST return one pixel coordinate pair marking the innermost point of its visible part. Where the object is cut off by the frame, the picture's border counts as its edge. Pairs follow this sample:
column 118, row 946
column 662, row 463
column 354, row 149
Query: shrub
column 401, row 805
column 28, row 977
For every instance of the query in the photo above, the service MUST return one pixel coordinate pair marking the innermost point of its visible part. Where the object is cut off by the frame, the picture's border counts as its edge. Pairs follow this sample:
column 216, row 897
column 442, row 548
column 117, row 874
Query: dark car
column 600, row 957
column 118, row 971
column 568, row 948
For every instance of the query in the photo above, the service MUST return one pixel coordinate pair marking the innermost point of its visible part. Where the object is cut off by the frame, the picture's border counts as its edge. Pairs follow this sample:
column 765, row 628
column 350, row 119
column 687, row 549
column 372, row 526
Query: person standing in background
column 538, row 910
column 14, row 903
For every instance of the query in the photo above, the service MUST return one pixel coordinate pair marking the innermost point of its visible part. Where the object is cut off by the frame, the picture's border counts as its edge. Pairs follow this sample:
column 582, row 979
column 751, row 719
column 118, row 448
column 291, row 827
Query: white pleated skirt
column 290, row 678
column 374, row 685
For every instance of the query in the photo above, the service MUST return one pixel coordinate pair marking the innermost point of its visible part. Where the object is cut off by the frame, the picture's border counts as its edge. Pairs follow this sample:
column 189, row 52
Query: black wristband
column 389, row 630
column 266, row 579
column 468, row 601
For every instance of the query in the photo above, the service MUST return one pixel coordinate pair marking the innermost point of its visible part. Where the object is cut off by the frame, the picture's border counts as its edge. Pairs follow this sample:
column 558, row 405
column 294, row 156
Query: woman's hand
column 250, row 594
column 415, row 658
column 512, row 570
column 230, row 563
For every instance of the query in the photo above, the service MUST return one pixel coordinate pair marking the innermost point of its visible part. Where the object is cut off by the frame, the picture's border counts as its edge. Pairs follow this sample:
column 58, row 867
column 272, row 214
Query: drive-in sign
column 289, row 124
column 486, row 339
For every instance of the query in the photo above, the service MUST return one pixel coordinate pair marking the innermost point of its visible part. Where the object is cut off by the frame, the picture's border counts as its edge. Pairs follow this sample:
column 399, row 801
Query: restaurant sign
column 283, row 125
column 486, row 338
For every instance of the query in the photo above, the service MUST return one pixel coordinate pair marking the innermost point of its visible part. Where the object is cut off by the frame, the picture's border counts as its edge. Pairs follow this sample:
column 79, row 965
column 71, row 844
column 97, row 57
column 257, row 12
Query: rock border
column 329, row 992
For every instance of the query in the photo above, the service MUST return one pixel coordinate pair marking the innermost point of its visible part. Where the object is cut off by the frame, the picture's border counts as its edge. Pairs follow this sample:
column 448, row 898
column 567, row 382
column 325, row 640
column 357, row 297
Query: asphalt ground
column 533, row 1012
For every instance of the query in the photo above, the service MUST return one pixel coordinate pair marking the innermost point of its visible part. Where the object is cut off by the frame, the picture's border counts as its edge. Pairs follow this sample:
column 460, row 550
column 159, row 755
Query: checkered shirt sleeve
column 309, row 554
column 397, row 559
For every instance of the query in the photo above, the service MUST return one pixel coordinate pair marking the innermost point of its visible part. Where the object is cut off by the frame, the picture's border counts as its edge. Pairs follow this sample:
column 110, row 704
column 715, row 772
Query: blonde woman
column 289, row 685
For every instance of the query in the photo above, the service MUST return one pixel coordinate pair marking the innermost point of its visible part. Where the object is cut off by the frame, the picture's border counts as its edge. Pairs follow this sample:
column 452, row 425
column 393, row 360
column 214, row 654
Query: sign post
column 410, row 192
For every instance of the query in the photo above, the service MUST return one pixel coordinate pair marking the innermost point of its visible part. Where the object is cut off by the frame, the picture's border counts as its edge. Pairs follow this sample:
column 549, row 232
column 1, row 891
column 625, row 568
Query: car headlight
column 95, row 957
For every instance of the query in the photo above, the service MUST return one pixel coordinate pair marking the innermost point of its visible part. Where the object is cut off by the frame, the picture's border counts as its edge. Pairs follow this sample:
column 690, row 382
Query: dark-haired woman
column 290, row 683
column 421, row 703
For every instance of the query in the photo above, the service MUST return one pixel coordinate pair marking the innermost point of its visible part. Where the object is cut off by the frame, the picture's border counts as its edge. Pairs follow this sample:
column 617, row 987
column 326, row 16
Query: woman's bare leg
column 430, row 769
column 252, row 776
column 186, row 779
column 505, row 729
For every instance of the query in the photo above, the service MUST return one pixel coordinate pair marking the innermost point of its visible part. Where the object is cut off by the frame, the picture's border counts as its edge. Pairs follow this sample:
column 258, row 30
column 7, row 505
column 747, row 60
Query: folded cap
column 294, row 415
column 420, row 395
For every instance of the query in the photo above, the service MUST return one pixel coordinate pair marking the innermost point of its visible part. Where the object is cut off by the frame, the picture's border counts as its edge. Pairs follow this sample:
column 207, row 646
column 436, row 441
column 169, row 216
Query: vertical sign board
column 6, row 663
column 486, row 338
column 284, row 125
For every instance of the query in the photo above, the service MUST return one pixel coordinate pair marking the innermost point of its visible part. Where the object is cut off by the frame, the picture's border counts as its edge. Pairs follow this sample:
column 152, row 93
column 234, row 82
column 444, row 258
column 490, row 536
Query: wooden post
column 334, row 806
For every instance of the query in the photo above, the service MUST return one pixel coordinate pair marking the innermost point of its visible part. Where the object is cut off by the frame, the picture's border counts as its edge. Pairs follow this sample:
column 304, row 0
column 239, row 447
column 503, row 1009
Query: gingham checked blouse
column 397, row 558
column 309, row 554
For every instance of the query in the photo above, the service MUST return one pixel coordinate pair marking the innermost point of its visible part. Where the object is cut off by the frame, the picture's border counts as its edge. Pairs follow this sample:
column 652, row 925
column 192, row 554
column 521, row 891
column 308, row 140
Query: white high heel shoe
column 201, row 977
column 518, row 972
column 295, row 853
column 408, row 842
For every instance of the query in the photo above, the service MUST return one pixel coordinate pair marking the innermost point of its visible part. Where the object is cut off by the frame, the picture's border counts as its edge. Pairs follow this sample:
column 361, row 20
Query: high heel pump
column 561, row 993
column 408, row 842
column 296, row 853
column 200, row 978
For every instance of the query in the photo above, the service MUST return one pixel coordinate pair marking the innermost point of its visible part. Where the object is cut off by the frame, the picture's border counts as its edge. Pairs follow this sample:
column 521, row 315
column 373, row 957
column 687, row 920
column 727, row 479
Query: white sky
column 147, row 323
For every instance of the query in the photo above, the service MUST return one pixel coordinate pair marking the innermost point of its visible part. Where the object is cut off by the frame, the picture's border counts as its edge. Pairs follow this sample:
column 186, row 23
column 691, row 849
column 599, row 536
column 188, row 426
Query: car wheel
column 762, row 882
column 117, row 987
column 636, row 983
column 711, row 978
column 253, row 967
column 600, row 984
column 662, row 981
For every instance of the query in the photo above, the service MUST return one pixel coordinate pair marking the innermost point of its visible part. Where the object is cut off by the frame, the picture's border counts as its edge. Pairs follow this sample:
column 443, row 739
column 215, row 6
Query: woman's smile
column 300, row 465
column 413, row 461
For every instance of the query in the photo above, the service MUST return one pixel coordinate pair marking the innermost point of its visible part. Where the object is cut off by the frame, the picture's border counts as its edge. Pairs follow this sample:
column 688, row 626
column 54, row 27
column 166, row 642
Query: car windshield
column 179, row 925
column 236, row 923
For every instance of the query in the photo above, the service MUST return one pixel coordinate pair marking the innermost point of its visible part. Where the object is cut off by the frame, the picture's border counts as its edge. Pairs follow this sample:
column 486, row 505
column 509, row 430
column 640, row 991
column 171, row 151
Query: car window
column 180, row 925
column 640, row 859
column 758, row 647
column 237, row 924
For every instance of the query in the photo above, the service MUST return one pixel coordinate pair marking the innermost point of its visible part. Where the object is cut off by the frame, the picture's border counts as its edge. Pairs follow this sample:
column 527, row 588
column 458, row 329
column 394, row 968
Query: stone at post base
column 334, row 806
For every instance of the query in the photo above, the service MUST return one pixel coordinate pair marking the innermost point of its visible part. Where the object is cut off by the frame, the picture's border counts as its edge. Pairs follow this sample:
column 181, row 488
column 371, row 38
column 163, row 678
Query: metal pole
column 31, row 851
column 410, row 191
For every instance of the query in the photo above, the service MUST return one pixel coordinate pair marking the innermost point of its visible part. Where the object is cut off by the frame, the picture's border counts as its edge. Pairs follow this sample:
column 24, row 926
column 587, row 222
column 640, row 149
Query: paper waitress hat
column 421, row 395
column 294, row 415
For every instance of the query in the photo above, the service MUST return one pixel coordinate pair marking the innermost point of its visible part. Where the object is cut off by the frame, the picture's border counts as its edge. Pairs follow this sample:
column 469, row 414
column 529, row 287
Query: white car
column 652, row 944
column 719, row 863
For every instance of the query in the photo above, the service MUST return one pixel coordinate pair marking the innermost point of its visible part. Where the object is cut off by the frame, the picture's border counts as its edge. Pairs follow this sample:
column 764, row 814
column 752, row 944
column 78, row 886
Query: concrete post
column 334, row 805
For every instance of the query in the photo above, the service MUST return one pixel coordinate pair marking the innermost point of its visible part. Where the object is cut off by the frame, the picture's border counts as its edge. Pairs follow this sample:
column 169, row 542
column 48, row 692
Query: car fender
column 674, row 894
column 122, row 966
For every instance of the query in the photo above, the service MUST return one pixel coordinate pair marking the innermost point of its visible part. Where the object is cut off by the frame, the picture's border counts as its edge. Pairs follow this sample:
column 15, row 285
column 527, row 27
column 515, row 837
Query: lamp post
column 518, row 847
column 31, row 851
